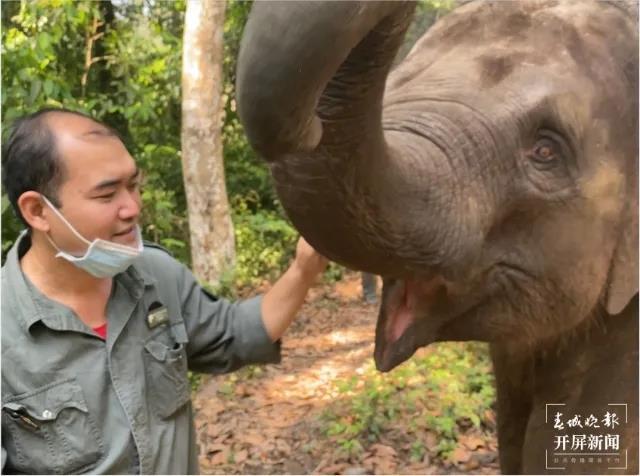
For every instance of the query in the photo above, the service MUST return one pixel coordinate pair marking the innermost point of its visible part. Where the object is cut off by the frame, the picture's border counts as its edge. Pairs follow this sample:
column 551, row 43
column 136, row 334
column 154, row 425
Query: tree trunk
column 211, row 230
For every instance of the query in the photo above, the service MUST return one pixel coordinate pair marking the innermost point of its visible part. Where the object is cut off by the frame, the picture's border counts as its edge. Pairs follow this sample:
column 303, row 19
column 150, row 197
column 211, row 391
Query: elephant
column 490, row 178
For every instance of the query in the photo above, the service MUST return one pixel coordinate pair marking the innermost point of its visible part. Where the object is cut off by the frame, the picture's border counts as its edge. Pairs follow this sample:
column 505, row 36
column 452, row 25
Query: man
column 98, row 331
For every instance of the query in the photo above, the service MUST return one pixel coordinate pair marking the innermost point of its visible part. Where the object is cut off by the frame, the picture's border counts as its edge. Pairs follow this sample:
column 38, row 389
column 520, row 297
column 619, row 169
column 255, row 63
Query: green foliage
column 248, row 178
column 371, row 407
column 42, row 65
column 426, row 14
column 448, row 386
column 195, row 380
column 42, row 55
column 228, row 384
column 132, row 84
column 265, row 243
column 333, row 273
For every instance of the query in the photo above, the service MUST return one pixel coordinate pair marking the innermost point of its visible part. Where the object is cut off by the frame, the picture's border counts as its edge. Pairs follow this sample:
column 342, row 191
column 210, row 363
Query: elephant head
column 491, row 177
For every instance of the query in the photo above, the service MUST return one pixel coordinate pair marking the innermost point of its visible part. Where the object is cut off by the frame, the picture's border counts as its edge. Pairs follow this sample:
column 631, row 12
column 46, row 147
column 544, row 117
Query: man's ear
column 33, row 211
column 623, row 274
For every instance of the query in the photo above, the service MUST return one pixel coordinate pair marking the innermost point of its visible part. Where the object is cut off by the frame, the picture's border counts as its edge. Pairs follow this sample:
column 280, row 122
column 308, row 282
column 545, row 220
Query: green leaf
column 44, row 41
column 48, row 87
column 36, row 86
column 5, row 204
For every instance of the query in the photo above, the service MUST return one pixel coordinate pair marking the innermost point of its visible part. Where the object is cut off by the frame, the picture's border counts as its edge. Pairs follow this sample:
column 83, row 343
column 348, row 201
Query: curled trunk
column 310, row 90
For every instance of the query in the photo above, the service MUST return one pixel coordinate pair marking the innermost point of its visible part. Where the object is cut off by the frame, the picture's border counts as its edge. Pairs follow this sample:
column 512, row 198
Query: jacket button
column 47, row 415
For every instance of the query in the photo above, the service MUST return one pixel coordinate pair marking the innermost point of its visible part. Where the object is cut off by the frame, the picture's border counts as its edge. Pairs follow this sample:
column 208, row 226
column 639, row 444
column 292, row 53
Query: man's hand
column 282, row 302
column 309, row 262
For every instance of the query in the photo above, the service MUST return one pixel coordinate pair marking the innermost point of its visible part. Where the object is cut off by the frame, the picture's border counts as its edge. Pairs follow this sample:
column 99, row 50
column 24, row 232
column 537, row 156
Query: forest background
column 121, row 62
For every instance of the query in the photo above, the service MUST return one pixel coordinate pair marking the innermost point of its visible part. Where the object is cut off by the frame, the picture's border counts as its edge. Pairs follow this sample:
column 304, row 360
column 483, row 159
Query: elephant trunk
column 310, row 84
column 293, row 52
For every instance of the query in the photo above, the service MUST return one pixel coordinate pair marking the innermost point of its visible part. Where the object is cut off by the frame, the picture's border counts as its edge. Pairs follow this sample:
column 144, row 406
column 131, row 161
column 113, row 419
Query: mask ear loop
column 53, row 244
column 117, row 246
column 61, row 253
column 69, row 225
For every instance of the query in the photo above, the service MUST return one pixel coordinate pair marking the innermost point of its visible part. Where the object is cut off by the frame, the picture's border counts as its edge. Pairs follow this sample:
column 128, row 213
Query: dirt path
column 266, row 420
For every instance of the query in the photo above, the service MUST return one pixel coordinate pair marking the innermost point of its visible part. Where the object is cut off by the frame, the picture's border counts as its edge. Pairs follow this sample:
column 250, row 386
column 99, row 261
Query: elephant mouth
column 402, row 302
column 412, row 313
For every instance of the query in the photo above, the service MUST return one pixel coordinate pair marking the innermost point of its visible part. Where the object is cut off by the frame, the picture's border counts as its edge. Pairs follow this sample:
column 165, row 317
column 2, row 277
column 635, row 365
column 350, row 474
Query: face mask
column 103, row 259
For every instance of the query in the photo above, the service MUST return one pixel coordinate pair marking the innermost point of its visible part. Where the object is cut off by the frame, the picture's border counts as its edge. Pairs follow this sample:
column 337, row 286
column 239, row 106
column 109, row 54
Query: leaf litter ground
column 271, row 419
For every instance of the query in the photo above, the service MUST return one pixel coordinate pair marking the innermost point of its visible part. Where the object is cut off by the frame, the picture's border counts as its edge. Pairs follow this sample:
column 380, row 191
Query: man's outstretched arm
column 282, row 302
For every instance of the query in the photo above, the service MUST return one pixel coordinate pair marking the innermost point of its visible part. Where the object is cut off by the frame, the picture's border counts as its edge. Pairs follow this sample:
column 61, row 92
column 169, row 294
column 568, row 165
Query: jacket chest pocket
column 50, row 431
column 165, row 361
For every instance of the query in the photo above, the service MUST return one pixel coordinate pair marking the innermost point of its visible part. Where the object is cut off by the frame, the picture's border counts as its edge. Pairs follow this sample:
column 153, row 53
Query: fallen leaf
column 213, row 430
column 460, row 455
column 242, row 390
column 471, row 465
column 383, row 450
column 211, row 409
column 220, row 457
column 252, row 438
column 283, row 446
column 241, row 456
column 490, row 418
column 333, row 468
column 431, row 441
column 349, row 290
column 472, row 442
column 386, row 467
column 220, row 439
column 216, row 447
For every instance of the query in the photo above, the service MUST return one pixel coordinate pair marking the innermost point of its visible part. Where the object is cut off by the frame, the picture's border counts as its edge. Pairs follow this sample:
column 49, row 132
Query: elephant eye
column 545, row 153
column 544, row 150
column 549, row 162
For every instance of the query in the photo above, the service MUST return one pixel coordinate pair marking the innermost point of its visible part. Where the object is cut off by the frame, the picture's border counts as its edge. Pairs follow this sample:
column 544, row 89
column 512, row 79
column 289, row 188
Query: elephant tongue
column 400, row 312
column 405, row 302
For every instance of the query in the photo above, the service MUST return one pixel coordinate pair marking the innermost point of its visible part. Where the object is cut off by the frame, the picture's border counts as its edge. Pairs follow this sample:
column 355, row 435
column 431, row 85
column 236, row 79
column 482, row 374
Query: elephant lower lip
column 388, row 357
column 403, row 301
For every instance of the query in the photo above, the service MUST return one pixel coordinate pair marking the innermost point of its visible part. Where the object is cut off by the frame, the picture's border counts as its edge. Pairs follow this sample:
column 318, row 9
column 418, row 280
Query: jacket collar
column 29, row 305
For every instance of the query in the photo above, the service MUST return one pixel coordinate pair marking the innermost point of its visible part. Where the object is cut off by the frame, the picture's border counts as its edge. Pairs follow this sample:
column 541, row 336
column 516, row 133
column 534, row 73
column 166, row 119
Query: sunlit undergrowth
column 445, row 389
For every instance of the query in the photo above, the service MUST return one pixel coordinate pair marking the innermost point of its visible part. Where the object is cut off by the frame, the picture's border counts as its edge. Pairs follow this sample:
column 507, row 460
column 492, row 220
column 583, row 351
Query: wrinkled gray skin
column 491, row 178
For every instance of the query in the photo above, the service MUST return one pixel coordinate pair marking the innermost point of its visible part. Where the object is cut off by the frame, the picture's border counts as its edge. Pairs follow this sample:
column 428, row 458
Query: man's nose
column 131, row 206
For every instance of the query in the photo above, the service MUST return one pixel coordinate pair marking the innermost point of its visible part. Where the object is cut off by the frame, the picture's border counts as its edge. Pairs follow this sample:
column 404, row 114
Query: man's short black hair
column 30, row 160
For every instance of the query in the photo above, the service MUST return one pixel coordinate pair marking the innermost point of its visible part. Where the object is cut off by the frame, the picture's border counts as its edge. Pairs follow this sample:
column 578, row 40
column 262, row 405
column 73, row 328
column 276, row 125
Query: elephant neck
column 596, row 375
column 604, row 353
column 590, row 373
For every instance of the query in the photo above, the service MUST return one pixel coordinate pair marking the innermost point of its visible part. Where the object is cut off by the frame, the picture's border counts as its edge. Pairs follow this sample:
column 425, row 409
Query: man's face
column 100, row 195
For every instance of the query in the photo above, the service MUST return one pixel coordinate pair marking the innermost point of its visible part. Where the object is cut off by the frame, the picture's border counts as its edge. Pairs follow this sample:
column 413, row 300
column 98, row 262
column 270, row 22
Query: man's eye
column 106, row 196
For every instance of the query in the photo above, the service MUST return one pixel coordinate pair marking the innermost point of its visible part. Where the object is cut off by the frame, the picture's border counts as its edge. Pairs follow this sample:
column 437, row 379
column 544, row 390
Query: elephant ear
column 623, row 275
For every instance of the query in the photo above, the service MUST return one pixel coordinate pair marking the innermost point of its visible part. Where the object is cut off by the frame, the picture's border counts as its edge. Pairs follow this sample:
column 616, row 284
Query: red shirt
column 101, row 331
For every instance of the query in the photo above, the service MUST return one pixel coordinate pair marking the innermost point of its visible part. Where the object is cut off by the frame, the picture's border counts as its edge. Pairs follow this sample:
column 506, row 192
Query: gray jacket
column 73, row 403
